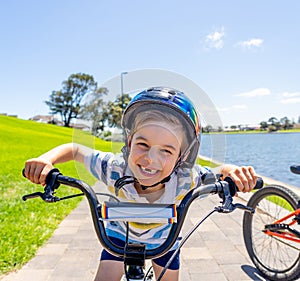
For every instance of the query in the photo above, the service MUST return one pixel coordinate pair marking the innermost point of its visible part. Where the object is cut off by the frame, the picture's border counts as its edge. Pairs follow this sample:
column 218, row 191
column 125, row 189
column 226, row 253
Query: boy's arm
column 66, row 152
column 36, row 169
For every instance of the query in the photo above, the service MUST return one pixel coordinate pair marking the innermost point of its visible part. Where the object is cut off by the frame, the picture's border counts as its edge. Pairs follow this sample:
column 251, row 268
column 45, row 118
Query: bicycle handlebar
column 226, row 189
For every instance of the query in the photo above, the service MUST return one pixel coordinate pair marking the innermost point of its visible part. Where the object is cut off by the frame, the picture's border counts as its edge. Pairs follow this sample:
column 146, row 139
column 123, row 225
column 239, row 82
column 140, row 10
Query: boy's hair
column 156, row 116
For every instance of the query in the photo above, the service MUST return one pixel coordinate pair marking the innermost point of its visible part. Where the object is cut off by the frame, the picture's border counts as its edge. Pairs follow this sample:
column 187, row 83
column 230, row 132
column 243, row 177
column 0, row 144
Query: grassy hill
column 25, row 226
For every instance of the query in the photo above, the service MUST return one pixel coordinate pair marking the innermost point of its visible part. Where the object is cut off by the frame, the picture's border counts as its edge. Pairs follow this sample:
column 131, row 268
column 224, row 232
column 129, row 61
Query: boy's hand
column 37, row 169
column 244, row 176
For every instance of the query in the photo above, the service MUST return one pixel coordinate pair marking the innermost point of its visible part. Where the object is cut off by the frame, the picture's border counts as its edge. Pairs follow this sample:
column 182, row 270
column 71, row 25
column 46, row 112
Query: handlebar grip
column 233, row 188
column 259, row 183
column 48, row 177
column 51, row 177
column 295, row 169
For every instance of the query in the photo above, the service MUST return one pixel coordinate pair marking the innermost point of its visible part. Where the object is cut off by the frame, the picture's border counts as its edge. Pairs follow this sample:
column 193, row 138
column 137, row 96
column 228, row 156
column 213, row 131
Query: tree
column 263, row 125
column 274, row 124
column 207, row 129
column 286, row 123
column 94, row 110
column 114, row 110
column 66, row 102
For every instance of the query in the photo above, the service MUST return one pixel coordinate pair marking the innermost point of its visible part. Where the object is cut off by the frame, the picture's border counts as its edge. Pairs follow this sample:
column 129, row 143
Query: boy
column 162, row 140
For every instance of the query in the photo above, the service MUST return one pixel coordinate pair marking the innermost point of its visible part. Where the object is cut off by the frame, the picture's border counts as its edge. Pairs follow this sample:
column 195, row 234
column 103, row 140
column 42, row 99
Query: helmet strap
column 184, row 155
column 166, row 179
column 130, row 179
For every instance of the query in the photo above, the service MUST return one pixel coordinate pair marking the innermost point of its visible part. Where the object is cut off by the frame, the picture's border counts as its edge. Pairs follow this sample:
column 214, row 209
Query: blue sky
column 243, row 54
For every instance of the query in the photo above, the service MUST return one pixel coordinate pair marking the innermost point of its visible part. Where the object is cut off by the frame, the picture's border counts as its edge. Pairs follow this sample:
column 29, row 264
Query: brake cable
column 187, row 236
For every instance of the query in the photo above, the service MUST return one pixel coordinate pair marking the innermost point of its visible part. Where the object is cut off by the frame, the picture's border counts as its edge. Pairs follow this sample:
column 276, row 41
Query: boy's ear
column 129, row 138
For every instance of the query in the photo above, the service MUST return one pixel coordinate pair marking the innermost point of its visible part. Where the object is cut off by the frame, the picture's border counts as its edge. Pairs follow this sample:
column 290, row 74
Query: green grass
column 280, row 202
column 206, row 163
column 25, row 226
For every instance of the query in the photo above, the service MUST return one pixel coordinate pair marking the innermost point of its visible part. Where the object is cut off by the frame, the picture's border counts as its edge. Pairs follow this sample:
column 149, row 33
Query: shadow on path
column 253, row 273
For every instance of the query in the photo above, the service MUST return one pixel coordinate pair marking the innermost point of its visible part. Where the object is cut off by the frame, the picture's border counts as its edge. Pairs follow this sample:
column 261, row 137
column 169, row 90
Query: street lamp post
column 122, row 91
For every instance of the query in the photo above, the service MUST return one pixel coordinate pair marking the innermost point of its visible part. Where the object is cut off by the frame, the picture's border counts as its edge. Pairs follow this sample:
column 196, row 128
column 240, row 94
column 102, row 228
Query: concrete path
column 215, row 251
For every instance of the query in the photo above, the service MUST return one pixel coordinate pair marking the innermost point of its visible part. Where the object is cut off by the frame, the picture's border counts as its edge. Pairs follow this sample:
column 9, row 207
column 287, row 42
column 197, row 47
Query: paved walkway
column 215, row 251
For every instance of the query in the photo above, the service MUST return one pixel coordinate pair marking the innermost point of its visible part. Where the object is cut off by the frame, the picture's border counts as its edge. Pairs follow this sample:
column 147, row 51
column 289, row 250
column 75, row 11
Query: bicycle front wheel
column 276, row 258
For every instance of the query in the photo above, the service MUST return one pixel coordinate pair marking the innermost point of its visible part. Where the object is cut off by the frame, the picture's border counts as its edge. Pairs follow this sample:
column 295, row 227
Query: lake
column 270, row 154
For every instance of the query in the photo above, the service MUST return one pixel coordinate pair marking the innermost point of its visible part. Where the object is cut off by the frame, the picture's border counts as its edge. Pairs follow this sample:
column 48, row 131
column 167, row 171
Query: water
column 270, row 154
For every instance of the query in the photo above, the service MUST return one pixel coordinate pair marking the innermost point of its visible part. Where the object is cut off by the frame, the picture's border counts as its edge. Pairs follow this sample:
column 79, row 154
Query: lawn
column 25, row 226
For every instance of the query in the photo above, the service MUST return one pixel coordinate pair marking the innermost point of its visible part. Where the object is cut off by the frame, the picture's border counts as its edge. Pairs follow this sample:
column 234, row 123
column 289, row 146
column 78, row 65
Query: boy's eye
column 142, row 144
column 167, row 151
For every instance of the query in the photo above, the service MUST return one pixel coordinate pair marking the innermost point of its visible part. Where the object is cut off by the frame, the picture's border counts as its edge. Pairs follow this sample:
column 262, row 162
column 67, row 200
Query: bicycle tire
column 274, row 258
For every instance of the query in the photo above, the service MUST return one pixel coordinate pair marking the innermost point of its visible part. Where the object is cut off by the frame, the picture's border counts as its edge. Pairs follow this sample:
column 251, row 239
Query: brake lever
column 244, row 208
column 229, row 190
column 48, row 194
column 227, row 205
column 32, row 195
column 45, row 196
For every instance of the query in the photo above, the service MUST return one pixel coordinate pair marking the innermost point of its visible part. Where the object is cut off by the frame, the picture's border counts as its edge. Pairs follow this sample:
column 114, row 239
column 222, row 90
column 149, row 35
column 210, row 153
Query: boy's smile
column 147, row 171
column 154, row 151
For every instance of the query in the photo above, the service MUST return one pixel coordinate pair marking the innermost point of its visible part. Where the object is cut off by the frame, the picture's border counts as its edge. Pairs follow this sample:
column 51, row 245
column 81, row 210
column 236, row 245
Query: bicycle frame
column 278, row 228
column 275, row 228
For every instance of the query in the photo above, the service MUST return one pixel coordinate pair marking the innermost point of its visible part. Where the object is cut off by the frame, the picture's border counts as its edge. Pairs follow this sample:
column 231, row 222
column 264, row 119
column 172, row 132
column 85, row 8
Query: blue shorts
column 161, row 261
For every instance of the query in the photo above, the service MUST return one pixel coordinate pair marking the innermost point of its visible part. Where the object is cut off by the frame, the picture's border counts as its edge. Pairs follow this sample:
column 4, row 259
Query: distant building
column 250, row 127
column 9, row 115
column 297, row 126
column 80, row 126
column 238, row 128
column 48, row 119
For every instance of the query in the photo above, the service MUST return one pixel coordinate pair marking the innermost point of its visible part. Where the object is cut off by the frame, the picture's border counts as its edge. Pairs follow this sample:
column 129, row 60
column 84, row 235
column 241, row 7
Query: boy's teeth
column 149, row 171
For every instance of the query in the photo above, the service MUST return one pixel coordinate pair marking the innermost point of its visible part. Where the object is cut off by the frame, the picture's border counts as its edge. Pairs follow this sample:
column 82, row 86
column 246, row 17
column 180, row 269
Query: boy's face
column 154, row 151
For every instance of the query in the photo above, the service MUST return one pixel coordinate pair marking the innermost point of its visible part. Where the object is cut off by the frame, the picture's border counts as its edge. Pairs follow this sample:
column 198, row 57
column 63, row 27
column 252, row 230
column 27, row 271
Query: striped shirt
column 108, row 168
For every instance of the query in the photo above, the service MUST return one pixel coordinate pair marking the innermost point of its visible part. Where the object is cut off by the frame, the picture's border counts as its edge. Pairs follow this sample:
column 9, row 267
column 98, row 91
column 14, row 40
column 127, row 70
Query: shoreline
column 254, row 132
column 267, row 180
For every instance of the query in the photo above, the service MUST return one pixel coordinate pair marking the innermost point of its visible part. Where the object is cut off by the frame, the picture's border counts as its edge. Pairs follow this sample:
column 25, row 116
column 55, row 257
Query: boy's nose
column 153, row 155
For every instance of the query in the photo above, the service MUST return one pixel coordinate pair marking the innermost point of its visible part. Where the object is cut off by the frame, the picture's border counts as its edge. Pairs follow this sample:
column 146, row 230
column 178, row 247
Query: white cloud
column 233, row 108
column 291, row 101
column 259, row 92
column 291, row 95
column 290, row 98
column 240, row 106
column 214, row 40
column 251, row 43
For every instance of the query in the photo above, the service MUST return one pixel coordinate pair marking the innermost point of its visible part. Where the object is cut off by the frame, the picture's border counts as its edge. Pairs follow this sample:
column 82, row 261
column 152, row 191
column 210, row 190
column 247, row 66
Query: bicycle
column 134, row 255
column 272, row 234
